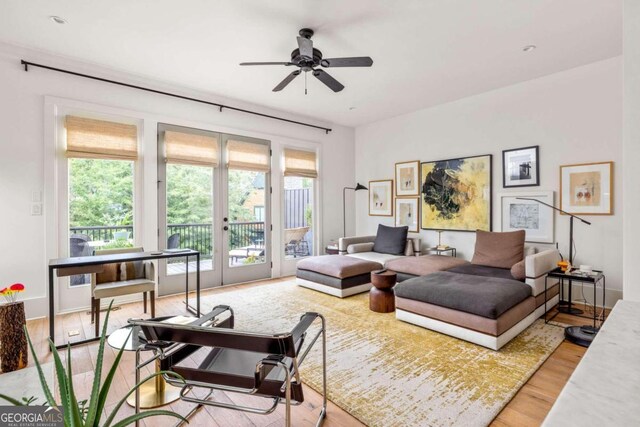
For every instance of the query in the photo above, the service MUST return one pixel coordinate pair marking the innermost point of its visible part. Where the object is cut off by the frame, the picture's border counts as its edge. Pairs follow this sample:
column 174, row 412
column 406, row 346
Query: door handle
column 225, row 228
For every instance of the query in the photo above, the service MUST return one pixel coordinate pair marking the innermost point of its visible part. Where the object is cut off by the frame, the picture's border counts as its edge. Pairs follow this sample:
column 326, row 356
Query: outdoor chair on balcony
column 78, row 247
column 173, row 242
column 296, row 245
column 262, row 365
column 119, row 279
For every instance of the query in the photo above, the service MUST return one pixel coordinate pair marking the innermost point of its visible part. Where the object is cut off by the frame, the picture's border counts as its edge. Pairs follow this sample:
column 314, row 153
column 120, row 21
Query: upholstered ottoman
column 410, row 267
column 336, row 275
column 488, row 311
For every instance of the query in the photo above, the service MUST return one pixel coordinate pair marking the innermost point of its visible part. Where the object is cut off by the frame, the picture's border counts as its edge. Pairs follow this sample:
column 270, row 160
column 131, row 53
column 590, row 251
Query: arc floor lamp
column 358, row 187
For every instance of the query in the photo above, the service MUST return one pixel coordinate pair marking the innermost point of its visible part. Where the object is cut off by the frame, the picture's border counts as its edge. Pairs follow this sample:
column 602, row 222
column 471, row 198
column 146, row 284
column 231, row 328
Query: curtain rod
column 220, row 106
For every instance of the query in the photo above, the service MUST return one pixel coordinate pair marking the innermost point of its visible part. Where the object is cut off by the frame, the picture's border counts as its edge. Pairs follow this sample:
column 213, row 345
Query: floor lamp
column 571, row 331
column 344, row 205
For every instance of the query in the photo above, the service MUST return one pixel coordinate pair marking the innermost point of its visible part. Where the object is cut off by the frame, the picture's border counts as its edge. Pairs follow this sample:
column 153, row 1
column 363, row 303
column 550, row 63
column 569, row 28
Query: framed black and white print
column 520, row 167
column 537, row 220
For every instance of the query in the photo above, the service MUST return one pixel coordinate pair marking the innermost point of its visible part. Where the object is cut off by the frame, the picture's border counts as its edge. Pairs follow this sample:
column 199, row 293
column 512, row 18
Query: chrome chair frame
column 168, row 340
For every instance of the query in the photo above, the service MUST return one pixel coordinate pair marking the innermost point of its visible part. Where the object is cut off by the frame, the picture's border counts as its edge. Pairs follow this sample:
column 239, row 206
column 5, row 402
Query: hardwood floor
column 528, row 408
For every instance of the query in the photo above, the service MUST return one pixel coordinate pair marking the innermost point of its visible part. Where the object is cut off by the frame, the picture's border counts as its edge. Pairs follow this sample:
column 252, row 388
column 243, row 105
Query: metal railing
column 193, row 236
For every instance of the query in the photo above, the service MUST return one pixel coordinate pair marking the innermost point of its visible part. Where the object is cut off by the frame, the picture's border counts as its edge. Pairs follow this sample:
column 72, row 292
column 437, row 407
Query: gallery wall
column 574, row 116
column 22, row 164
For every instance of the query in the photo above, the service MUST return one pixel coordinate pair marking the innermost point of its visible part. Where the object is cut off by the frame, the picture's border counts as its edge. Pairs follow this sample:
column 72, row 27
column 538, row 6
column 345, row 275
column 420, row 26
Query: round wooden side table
column 381, row 297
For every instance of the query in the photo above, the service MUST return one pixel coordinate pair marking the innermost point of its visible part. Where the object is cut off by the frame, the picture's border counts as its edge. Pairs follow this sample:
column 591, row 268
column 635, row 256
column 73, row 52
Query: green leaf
column 11, row 400
column 124, row 399
column 109, row 379
column 153, row 413
column 76, row 418
column 43, row 382
column 62, row 383
column 95, row 389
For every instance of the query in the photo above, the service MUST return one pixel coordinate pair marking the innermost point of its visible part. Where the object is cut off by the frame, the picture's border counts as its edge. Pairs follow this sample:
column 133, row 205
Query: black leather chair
column 263, row 365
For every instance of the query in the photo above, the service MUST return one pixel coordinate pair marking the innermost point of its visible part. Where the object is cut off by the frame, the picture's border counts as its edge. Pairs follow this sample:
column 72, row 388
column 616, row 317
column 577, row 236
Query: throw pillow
column 500, row 250
column 132, row 270
column 518, row 271
column 390, row 240
column 108, row 274
column 360, row 247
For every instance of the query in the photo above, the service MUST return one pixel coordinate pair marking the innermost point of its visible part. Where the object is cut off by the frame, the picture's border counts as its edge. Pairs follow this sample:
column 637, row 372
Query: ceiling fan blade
column 306, row 47
column 286, row 81
column 359, row 61
column 266, row 63
column 326, row 78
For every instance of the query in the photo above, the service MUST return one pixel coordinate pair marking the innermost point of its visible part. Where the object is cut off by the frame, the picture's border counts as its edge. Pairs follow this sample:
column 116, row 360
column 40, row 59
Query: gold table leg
column 155, row 392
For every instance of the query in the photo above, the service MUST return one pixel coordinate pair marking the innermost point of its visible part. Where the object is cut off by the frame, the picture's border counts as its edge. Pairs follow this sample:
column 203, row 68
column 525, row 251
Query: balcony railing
column 193, row 236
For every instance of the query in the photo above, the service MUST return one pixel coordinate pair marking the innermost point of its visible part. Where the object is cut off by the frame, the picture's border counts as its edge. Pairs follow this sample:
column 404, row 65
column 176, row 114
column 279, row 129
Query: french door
column 212, row 205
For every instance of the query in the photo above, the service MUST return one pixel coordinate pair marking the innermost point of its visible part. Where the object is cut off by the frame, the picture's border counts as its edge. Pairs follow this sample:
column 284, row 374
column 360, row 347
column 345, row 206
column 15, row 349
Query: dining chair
column 123, row 278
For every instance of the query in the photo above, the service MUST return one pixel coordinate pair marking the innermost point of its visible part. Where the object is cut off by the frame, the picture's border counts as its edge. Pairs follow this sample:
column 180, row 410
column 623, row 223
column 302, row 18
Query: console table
column 438, row 251
column 94, row 264
column 604, row 388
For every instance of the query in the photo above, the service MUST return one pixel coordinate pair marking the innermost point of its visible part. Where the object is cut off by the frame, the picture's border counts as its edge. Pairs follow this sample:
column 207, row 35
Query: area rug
column 389, row 373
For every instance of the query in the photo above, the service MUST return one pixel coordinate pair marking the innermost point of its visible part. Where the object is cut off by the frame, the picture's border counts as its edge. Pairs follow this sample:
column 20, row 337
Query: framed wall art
column 408, row 178
column 381, row 197
column 587, row 189
column 534, row 218
column 520, row 167
column 407, row 213
column 456, row 194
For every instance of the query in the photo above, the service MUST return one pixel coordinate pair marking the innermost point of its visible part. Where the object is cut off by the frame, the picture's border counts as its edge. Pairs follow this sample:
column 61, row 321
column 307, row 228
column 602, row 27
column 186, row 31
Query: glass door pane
column 187, row 207
column 190, row 214
column 246, row 198
column 246, row 219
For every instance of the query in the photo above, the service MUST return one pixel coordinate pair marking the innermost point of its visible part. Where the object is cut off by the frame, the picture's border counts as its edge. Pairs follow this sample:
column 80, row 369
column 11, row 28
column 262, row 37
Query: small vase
column 13, row 340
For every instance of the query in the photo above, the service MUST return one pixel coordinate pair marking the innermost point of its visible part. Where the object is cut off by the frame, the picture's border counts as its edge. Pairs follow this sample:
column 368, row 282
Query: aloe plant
column 78, row 413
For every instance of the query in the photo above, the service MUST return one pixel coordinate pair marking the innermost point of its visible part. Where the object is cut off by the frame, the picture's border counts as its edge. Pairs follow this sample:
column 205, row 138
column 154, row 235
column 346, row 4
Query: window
column 300, row 173
column 101, row 169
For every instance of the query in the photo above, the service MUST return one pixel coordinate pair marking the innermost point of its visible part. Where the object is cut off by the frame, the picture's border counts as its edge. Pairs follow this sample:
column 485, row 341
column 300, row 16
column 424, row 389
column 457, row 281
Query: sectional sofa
column 488, row 300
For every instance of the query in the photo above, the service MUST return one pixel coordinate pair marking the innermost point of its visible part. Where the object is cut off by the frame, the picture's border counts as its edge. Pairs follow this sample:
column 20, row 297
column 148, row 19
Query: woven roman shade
column 190, row 149
column 248, row 156
column 300, row 163
column 99, row 139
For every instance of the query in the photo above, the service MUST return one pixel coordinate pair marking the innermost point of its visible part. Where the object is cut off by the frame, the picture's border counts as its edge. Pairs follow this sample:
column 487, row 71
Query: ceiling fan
column 307, row 58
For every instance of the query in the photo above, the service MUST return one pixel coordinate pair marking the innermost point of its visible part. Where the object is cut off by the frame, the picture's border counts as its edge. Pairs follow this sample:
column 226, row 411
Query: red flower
column 17, row 287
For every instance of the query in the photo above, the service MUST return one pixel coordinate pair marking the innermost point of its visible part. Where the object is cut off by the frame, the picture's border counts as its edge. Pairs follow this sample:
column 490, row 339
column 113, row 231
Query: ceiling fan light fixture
column 58, row 19
column 529, row 48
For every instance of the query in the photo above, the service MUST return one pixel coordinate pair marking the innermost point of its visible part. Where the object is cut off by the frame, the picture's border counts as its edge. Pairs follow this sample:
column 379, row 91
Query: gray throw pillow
column 391, row 240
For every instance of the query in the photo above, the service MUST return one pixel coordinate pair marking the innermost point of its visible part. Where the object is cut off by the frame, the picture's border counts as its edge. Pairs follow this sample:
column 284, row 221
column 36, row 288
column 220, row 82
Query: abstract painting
column 534, row 218
column 408, row 178
column 587, row 189
column 381, row 197
column 456, row 194
column 407, row 213
column 520, row 167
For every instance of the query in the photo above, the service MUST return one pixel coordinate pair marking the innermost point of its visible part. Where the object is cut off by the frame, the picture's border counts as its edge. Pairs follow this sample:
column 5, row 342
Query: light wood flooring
column 527, row 408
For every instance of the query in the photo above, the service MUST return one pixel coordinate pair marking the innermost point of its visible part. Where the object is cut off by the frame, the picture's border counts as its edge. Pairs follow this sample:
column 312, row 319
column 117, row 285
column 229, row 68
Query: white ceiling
column 425, row 52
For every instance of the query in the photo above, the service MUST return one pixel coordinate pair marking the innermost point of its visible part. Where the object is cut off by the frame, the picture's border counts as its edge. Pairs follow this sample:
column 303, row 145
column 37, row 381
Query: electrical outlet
column 36, row 196
column 36, row 209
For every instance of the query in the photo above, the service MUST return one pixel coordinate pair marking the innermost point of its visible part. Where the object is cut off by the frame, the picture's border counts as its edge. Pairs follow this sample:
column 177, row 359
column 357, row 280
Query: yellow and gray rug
column 389, row 373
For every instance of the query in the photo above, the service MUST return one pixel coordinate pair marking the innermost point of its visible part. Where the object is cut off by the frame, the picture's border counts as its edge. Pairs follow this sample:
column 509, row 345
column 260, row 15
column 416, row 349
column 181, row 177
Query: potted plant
column 88, row 412
column 13, row 342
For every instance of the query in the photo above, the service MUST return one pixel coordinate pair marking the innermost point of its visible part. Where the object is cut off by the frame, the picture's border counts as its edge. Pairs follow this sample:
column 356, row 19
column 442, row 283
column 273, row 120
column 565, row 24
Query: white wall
column 574, row 116
column 631, row 147
column 22, row 164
